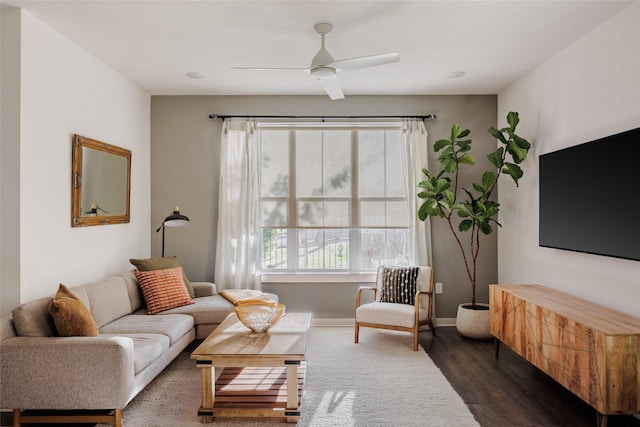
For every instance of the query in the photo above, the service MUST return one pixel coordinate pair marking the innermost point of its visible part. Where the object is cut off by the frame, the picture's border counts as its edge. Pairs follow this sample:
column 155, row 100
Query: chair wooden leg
column 416, row 331
column 357, row 332
column 16, row 418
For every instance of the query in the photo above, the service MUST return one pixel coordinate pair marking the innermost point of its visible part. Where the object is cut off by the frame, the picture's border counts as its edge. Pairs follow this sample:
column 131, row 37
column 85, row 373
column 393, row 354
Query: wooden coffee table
column 263, row 371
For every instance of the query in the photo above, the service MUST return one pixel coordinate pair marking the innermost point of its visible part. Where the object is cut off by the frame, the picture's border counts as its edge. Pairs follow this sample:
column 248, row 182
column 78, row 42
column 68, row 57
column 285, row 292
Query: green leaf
column 422, row 211
column 442, row 185
column 496, row 157
column 456, row 130
column 465, row 225
column 518, row 154
column 514, row 171
column 444, row 206
column 451, row 198
column 522, row 143
column 449, row 165
column 497, row 134
column 464, row 133
column 485, row 228
column 447, row 153
column 464, row 145
column 488, row 178
column 440, row 144
column 513, row 119
column 467, row 159
column 478, row 187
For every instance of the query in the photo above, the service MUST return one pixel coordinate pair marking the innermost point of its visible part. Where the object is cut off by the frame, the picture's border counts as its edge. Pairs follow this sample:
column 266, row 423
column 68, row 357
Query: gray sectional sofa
column 41, row 371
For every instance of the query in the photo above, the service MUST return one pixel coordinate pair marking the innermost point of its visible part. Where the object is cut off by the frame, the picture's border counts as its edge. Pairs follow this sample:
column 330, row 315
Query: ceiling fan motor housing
column 321, row 73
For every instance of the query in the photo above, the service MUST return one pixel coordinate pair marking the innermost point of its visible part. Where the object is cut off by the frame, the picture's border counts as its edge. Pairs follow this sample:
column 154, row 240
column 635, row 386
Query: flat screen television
column 590, row 197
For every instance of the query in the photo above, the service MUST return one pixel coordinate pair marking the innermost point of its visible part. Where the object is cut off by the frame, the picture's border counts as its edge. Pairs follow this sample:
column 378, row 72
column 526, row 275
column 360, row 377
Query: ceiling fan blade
column 270, row 69
column 331, row 85
column 365, row 61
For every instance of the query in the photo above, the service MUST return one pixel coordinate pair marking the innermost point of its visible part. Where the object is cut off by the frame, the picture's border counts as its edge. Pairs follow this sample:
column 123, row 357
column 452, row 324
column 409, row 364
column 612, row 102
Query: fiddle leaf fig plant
column 475, row 207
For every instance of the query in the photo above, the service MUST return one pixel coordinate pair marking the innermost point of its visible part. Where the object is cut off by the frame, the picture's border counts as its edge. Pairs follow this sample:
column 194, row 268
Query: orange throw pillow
column 163, row 289
column 71, row 316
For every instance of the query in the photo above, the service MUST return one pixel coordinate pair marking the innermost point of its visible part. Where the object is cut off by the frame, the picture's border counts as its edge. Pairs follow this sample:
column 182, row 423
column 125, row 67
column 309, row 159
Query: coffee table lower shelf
column 255, row 392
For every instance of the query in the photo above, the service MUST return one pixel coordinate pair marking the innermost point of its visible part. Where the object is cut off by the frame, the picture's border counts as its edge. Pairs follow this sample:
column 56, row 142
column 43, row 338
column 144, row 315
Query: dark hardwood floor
column 508, row 391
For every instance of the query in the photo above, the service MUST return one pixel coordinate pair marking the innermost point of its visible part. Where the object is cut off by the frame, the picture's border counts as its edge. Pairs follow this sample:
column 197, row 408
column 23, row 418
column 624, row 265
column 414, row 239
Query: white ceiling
column 154, row 43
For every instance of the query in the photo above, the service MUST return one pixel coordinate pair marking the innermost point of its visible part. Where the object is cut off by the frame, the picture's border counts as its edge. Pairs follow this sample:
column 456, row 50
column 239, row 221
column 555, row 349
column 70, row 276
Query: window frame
column 354, row 268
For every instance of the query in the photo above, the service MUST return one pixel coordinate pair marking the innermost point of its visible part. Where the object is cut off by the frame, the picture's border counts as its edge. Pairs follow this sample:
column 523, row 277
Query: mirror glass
column 101, row 183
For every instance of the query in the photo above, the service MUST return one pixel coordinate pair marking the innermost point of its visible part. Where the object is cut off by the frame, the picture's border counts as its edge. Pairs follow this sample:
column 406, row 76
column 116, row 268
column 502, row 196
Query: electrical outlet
column 438, row 288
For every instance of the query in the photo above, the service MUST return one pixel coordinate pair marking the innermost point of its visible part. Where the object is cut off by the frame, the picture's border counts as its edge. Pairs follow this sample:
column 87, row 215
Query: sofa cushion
column 172, row 325
column 108, row 299
column 163, row 289
column 32, row 319
column 389, row 313
column 135, row 293
column 81, row 293
column 213, row 309
column 150, row 264
column 146, row 348
column 71, row 317
column 7, row 330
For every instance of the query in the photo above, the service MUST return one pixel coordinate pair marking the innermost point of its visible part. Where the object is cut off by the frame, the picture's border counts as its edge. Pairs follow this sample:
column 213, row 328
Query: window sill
column 319, row 277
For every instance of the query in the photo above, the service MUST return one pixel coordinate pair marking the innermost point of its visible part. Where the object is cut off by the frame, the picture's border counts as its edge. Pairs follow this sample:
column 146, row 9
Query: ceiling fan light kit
column 323, row 67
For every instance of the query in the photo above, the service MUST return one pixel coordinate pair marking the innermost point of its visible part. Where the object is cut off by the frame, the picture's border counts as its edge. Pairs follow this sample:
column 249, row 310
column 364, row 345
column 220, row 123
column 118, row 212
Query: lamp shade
column 176, row 219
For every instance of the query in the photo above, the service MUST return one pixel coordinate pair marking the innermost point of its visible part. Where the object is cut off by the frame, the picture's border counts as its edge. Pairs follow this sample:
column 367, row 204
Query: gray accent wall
column 185, row 147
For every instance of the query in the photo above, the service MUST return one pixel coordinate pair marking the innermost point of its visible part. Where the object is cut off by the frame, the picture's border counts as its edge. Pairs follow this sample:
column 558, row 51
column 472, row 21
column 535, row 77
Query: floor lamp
column 176, row 219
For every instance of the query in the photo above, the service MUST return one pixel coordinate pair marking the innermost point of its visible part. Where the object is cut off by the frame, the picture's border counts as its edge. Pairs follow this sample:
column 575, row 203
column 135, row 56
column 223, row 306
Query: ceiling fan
column 324, row 68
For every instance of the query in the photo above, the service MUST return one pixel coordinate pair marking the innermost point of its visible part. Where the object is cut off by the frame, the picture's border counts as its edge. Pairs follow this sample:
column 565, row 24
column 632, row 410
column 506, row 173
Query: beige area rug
column 379, row 382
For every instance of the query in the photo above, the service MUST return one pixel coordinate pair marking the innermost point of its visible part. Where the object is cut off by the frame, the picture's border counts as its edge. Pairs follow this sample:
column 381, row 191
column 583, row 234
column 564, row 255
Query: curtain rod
column 224, row 117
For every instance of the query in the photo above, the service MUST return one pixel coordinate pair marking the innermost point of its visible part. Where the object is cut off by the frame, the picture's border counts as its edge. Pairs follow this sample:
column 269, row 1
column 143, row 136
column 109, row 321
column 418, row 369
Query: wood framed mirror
column 100, row 183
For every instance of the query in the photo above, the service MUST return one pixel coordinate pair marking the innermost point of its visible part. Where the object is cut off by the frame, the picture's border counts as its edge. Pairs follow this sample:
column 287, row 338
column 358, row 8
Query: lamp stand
column 173, row 220
column 163, row 241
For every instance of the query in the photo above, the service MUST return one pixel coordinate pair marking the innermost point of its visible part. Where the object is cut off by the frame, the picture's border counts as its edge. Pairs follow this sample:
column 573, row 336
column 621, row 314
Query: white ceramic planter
column 473, row 324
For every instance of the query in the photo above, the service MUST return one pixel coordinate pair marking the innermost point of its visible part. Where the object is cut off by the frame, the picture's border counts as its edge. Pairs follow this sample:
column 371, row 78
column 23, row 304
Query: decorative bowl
column 259, row 315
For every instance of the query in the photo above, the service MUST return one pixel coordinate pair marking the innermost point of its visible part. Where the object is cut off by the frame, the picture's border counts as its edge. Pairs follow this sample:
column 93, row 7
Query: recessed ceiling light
column 455, row 74
column 194, row 75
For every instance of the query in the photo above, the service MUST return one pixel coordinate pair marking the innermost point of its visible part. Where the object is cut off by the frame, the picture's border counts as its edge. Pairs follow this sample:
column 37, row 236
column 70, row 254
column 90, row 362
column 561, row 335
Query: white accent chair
column 398, row 316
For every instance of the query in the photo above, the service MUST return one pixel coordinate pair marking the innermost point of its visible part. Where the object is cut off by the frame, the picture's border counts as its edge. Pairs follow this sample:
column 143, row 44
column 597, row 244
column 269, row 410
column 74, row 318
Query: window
column 333, row 197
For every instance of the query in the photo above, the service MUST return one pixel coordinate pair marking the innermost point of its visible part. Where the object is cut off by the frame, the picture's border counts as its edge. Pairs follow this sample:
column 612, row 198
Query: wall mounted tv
column 590, row 197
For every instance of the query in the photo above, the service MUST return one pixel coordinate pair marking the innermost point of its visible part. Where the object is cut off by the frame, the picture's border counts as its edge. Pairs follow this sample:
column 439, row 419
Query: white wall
column 63, row 91
column 588, row 91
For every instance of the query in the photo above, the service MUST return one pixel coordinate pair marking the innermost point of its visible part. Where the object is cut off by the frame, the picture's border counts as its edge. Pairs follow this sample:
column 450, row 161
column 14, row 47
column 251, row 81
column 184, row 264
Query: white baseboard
column 331, row 321
column 445, row 321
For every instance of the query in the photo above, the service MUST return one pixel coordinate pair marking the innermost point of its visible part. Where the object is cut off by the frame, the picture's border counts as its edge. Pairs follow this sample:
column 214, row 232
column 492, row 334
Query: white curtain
column 238, row 246
column 415, row 158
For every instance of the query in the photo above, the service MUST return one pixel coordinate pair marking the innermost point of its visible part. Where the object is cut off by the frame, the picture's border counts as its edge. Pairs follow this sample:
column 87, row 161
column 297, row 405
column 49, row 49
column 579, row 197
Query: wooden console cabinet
column 591, row 350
